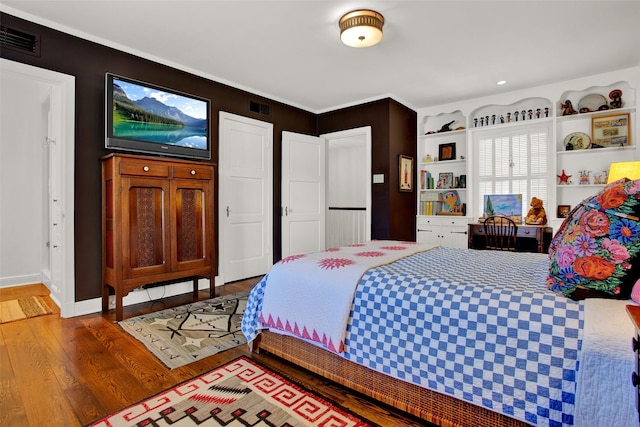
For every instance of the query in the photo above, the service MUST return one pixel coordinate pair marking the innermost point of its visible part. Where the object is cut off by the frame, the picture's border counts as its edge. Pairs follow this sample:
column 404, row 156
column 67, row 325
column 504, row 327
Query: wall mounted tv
column 145, row 118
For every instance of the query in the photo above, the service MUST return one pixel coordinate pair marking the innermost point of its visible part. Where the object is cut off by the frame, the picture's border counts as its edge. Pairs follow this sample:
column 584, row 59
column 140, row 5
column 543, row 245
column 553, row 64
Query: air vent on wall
column 19, row 40
column 256, row 107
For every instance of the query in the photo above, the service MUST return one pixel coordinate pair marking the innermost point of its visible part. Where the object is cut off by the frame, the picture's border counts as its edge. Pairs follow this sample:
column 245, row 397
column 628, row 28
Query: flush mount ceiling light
column 361, row 28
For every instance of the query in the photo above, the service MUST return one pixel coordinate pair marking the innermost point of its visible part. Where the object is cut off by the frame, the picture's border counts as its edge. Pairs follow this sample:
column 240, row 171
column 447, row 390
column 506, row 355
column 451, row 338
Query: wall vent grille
column 19, row 40
column 257, row 107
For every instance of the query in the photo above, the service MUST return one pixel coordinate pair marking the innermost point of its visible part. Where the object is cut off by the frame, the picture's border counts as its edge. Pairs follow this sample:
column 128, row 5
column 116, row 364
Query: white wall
column 22, row 236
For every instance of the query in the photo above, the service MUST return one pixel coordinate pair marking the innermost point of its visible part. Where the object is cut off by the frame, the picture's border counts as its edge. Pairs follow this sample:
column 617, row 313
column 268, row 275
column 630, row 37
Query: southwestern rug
column 241, row 393
column 181, row 335
column 23, row 308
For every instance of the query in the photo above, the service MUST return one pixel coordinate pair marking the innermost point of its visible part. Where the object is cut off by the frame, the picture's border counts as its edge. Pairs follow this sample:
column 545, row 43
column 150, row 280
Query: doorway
column 37, row 180
column 348, row 216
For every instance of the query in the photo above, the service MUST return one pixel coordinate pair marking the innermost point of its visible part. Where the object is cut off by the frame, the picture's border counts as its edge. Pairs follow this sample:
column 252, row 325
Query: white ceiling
column 433, row 52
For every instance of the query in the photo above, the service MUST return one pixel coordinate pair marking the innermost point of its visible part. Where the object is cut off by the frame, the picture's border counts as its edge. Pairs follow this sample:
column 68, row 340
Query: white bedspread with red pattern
column 310, row 295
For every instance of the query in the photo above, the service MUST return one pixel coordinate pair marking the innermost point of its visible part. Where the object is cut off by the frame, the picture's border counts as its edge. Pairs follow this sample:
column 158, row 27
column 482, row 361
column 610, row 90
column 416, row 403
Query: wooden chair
column 500, row 233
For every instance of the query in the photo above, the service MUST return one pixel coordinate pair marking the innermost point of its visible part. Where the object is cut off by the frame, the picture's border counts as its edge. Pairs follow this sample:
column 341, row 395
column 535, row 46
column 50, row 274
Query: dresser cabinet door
column 145, row 223
column 192, row 223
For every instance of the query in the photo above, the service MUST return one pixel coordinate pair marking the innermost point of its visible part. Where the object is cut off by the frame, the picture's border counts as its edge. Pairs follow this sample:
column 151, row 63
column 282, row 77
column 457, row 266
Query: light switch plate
column 378, row 178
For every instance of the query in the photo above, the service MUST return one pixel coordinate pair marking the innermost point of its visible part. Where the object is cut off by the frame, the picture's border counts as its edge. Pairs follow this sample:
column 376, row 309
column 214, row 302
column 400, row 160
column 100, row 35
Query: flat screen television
column 145, row 118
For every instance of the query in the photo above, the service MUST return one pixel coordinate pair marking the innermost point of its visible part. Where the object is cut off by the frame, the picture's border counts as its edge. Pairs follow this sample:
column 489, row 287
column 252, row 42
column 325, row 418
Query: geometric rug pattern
column 181, row 335
column 240, row 393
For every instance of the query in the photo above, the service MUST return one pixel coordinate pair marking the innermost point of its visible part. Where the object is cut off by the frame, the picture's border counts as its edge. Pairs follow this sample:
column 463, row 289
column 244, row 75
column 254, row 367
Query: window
column 513, row 160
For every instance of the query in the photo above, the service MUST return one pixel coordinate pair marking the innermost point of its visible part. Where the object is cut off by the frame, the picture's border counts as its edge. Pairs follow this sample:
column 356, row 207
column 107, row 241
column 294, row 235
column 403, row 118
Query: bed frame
column 428, row 405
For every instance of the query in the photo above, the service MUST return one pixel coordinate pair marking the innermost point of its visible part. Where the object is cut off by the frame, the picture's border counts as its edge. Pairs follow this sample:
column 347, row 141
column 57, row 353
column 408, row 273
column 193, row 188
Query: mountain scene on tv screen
column 150, row 120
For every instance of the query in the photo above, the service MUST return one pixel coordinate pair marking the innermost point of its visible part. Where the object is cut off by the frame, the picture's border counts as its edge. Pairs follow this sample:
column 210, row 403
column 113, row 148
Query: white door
column 245, row 197
column 303, row 193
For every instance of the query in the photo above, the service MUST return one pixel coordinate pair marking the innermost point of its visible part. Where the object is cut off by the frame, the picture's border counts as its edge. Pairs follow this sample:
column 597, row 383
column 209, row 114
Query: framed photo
column 563, row 211
column 445, row 179
column 610, row 131
column 405, row 169
column 447, row 151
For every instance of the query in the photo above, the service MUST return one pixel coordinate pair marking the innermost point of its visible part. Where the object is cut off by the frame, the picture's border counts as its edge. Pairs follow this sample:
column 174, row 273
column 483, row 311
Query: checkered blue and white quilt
column 477, row 325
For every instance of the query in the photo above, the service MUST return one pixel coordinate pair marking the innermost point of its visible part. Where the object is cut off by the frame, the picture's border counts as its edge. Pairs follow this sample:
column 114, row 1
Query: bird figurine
column 446, row 127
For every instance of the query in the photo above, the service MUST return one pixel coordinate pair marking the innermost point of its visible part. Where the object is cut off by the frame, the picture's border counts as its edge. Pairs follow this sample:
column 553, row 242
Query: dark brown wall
column 89, row 62
column 393, row 132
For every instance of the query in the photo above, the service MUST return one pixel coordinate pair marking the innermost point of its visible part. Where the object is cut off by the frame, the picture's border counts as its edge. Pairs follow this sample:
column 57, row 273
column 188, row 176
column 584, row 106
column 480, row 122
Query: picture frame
column 447, row 151
column 445, row 179
column 610, row 131
column 405, row 173
column 563, row 211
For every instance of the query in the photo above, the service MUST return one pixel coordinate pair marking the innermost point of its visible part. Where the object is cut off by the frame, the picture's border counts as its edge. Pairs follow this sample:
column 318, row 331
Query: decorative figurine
column 516, row 115
column 538, row 112
column 536, row 214
column 446, row 127
column 501, row 118
column 475, row 122
column 508, row 117
column 523, row 114
column 481, row 121
column 546, row 111
column 597, row 179
column 616, row 98
column 493, row 119
column 428, row 159
column 564, row 178
column 584, row 177
column 486, row 120
column 530, row 114
column 567, row 108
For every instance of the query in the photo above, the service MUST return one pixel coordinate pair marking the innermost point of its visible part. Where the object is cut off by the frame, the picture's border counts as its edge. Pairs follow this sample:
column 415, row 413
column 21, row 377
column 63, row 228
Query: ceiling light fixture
column 361, row 28
column 501, row 82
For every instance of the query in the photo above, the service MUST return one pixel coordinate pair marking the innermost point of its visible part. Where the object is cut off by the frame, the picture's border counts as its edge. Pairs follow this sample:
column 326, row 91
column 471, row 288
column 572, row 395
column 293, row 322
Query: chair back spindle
column 500, row 233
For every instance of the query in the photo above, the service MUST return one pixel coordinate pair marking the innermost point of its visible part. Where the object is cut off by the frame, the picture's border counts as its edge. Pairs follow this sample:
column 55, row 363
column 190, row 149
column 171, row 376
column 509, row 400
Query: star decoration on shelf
column 564, row 178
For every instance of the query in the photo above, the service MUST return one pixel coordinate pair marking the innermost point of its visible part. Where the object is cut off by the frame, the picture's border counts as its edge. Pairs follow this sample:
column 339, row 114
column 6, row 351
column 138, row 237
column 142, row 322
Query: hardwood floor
column 69, row 372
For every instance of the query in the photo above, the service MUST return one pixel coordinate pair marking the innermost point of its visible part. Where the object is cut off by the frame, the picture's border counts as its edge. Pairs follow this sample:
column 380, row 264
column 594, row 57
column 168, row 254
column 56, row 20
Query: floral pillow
column 593, row 253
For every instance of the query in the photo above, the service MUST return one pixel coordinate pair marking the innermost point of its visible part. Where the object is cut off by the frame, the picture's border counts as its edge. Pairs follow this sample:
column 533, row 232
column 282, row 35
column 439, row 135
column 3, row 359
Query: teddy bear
column 536, row 214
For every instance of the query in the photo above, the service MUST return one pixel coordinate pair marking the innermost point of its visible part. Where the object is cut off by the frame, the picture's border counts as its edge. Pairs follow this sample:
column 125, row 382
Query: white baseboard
column 27, row 279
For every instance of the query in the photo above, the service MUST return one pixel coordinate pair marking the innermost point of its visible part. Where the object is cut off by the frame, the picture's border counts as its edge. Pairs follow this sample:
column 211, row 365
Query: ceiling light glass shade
column 361, row 28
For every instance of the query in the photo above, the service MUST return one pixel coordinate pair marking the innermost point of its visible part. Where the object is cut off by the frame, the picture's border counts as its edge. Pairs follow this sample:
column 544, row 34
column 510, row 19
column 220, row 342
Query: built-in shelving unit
column 540, row 105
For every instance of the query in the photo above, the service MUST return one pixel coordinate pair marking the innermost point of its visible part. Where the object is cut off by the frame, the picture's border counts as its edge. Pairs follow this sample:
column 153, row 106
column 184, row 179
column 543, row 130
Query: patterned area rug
column 23, row 308
column 181, row 335
column 241, row 393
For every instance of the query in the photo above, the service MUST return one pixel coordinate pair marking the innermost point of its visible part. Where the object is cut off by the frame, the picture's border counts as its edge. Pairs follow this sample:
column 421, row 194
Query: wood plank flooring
column 69, row 372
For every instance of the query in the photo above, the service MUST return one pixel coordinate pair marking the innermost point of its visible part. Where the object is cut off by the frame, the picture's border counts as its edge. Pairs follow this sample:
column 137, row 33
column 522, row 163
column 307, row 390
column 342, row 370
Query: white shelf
column 443, row 134
column 574, row 186
column 440, row 190
column 609, row 112
column 443, row 163
column 594, row 151
column 512, row 124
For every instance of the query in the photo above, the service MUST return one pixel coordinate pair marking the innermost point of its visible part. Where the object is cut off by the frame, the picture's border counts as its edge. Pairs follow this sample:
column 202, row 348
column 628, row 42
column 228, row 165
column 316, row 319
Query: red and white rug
column 241, row 393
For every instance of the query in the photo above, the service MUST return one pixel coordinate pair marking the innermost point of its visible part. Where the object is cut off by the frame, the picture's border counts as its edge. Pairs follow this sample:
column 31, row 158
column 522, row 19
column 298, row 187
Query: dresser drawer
column 143, row 168
column 193, row 172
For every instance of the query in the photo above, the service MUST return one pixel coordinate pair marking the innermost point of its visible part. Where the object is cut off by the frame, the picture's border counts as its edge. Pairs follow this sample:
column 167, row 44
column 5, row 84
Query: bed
column 457, row 337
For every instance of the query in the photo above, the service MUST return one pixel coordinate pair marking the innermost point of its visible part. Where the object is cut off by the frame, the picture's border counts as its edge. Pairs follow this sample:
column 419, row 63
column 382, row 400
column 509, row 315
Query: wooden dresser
column 157, row 224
